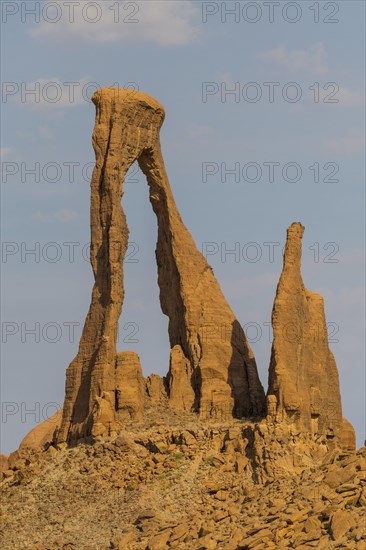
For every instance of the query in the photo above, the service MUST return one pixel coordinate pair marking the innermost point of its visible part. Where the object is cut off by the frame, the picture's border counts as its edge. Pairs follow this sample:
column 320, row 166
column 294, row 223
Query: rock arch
column 212, row 368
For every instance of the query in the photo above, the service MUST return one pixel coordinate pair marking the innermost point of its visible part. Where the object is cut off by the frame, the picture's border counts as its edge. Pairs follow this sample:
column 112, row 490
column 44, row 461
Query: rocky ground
column 183, row 484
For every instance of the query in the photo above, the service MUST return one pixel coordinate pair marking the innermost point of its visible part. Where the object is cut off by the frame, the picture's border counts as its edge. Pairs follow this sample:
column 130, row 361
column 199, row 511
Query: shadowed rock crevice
column 242, row 374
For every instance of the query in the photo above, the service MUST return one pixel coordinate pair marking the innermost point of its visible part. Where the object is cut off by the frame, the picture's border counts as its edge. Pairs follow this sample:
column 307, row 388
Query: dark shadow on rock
column 246, row 388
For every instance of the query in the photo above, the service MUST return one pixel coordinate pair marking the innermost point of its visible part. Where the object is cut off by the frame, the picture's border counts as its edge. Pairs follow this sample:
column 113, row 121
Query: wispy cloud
column 5, row 152
column 344, row 96
column 199, row 135
column 227, row 78
column 312, row 60
column 53, row 95
column 351, row 97
column 354, row 296
column 348, row 144
column 45, row 132
column 246, row 286
column 159, row 22
column 60, row 216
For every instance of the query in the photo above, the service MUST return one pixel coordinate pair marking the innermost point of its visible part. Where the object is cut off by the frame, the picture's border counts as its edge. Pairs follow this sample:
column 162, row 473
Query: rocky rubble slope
column 186, row 484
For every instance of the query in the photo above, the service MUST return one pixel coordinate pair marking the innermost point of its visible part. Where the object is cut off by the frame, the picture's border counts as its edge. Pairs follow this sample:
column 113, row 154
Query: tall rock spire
column 303, row 376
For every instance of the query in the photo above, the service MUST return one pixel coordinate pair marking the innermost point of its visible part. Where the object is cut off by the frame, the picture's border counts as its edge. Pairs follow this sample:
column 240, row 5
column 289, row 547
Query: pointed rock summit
column 303, row 386
column 212, row 368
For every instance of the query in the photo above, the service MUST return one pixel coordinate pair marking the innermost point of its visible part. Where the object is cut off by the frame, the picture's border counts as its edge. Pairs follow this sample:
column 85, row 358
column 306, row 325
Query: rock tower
column 303, row 385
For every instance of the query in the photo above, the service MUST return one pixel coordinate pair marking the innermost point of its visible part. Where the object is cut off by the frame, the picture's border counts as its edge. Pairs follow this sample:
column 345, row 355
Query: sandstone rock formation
column 4, row 463
column 212, row 368
column 130, row 386
column 155, row 389
column 347, row 435
column 43, row 433
column 303, row 375
column 284, row 475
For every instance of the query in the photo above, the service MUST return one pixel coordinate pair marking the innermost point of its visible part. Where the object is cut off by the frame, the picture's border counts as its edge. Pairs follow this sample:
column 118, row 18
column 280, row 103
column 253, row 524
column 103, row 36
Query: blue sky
column 207, row 75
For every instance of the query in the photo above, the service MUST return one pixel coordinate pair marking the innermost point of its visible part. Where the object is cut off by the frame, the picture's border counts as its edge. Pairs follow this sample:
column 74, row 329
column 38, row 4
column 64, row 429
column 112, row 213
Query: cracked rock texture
column 212, row 368
column 303, row 383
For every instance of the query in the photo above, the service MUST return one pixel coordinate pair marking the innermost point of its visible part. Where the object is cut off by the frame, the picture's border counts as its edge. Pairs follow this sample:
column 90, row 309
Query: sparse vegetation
column 178, row 456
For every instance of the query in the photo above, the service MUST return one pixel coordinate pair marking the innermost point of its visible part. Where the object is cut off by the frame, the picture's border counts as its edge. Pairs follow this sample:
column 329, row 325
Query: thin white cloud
column 348, row 144
column 352, row 296
column 227, row 79
column 198, row 131
column 66, row 216
column 343, row 96
column 312, row 60
column 61, row 216
column 53, row 94
column 199, row 135
column 330, row 92
column 46, row 191
column 355, row 257
column 45, row 132
column 351, row 97
column 5, row 152
column 246, row 286
column 159, row 22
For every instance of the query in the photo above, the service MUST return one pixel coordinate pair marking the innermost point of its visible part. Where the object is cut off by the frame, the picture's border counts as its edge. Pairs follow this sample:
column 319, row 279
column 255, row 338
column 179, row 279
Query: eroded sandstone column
column 303, row 374
column 209, row 347
column 213, row 369
column 126, row 123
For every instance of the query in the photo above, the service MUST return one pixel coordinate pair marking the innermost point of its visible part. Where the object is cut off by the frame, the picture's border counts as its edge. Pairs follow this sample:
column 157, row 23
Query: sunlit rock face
column 303, row 376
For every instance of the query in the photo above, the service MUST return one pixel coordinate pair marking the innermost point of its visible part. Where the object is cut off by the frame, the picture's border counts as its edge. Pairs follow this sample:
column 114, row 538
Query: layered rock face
column 130, row 386
column 212, row 368
column 303, row 377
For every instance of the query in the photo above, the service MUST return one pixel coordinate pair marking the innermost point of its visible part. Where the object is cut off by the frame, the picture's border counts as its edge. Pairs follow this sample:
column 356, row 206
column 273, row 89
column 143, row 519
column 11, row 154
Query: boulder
column 43, row 433
column 347, row 436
